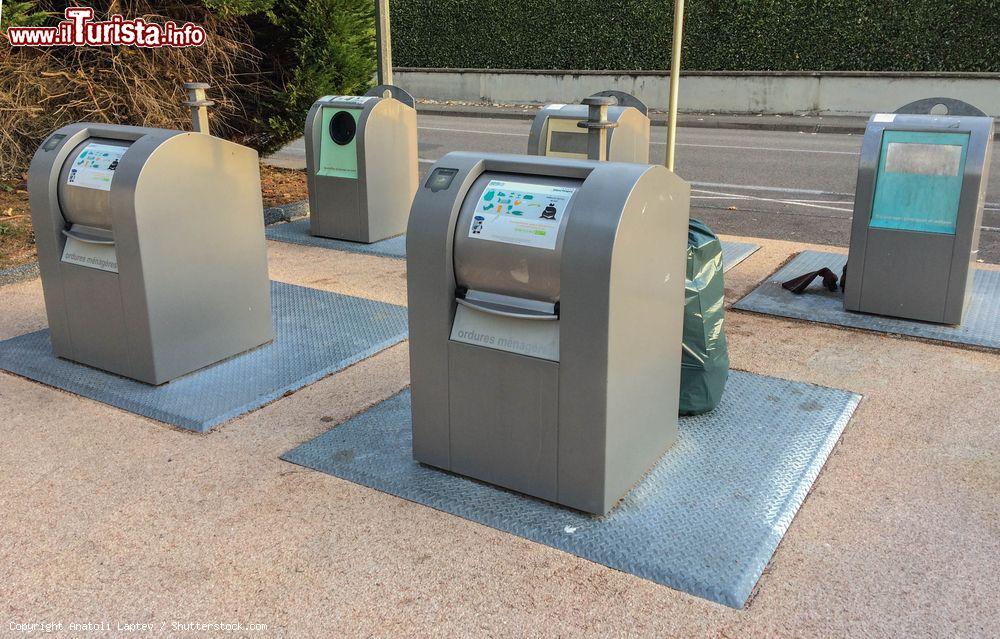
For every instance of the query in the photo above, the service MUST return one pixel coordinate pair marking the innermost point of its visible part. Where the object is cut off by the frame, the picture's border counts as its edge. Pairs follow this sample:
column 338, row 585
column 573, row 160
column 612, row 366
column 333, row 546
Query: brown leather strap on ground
column 799, row 284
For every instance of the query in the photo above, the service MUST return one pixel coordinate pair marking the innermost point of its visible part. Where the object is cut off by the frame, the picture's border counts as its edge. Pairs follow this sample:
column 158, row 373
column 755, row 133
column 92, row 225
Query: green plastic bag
column 705, row 358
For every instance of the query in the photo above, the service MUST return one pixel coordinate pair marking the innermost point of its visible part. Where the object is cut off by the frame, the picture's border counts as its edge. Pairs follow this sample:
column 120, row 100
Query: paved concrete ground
column 774, row 184
column 108, row 517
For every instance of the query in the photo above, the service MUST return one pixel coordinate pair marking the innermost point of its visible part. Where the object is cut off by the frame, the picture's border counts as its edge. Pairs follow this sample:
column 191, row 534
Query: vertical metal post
column 675, row 76
column 597, row 125
column 199, row 103
column 383, row 41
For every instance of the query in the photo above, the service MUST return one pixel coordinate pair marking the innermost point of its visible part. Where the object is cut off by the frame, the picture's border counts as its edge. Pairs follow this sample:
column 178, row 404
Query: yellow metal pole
column 675, row 76
column 383, row 42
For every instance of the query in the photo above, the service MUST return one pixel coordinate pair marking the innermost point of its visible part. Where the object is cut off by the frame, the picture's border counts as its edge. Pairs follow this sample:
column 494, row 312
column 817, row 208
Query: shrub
column 42, row 89
column 309, row 48
column 267, row 61
column 732, row 35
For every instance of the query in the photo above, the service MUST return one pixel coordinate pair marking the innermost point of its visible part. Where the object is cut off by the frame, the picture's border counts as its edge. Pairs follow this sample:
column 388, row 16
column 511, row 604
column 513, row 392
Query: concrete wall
column 828, row 93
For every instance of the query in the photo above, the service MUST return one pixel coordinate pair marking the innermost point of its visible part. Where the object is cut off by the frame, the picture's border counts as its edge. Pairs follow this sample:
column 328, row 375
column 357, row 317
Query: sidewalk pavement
column 107, row 515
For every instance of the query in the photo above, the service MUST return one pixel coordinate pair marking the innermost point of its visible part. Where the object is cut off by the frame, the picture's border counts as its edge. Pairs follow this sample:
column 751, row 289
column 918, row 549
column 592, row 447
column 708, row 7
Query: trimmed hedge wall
column 724, row 35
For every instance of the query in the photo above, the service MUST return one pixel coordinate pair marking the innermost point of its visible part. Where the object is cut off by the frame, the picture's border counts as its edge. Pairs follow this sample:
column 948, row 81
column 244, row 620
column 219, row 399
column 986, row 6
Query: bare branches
column 44, row 89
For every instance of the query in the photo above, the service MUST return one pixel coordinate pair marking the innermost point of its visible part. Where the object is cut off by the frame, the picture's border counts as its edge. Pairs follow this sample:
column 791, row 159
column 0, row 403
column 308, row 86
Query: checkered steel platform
column 705, row 520
column 316, row 333
column 980, row 328
column 735, row 252
column 297, row 232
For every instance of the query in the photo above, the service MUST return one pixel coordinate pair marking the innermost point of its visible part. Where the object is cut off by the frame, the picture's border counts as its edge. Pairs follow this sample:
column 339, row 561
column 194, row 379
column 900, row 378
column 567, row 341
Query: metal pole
column 597, row 126
column 675, row 76
column 199, row 103
column 383, row 41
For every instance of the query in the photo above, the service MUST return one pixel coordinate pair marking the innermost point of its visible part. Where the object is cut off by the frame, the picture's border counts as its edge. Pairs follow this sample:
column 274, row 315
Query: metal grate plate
column 705, row 520
column 735, row 252
column 297, row 232
column 980, row 328
column 316, row 333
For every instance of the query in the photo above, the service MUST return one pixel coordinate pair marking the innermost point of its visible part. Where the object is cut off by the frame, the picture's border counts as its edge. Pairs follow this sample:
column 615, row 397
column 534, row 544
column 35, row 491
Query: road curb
column 285, row 212
column 18, row 273
column 799, row 124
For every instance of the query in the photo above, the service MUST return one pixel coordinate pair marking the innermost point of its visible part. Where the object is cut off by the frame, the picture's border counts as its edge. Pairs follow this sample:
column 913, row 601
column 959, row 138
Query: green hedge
column 309, row 48
column 733, row 35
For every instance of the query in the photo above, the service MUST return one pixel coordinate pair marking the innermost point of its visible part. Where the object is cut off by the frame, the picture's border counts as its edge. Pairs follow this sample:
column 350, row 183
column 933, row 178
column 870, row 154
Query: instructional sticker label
column 95, row 167
column 532, row 338
column 519, row 213
column 103, row 257
column 884, row 117
column 350, row 99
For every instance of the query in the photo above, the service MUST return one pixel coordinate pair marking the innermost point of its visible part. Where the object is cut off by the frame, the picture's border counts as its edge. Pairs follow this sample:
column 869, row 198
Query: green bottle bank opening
column 361, row 164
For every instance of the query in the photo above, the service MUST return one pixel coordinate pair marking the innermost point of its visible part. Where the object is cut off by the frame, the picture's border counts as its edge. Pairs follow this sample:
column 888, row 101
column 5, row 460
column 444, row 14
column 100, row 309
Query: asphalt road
column 777, row 185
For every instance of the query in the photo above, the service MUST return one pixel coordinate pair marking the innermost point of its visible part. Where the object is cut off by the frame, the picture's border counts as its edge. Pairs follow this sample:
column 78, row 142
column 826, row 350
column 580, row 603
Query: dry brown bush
column 42, row 89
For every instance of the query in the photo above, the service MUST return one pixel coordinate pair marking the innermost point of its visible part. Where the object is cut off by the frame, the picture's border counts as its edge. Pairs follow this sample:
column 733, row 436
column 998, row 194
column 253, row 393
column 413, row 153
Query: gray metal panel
column 202, row 253
column 192, row 273
column 705, row 520
column 387, row 157
column 628, row 142
column 864, row 194
column 970, row 219
column 982, row 318
column 376, row 204
column 622, row 302
column 918, row 290
column 645, row 325
column 507, row 269
column 603, row 258
column 336, row 204
column 93, row 304
column 951, row 106
column 316, row 334
column 311, row 137
column 892, row 256
column 336, row 212
column 624, row 99
column 430, row 279
column 392, row 91
column 48, row 221
column 431, row 286
column 80, row 205
column 510, row 404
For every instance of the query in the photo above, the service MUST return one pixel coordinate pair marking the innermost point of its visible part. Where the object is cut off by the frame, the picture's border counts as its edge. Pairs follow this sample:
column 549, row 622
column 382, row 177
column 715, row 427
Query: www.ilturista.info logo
column 79, row 29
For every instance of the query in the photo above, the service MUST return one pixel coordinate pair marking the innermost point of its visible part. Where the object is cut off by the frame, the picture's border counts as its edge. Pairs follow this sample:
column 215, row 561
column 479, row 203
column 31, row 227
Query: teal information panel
column 337, row 160
column 919, row 181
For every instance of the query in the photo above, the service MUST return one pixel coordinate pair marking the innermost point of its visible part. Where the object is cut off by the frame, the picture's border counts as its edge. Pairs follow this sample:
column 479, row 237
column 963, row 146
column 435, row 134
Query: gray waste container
column 545, row 311
column 151, row 248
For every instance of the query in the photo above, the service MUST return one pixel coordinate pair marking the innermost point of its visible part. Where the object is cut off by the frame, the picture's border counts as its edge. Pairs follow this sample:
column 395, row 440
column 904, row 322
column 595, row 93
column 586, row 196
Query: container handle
column 88, row 238
column 506, row 311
